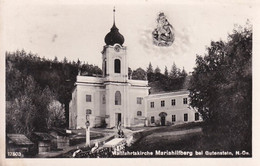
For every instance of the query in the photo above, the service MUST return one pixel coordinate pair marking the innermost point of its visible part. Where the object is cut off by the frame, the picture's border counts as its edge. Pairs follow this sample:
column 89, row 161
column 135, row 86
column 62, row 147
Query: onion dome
column 114, row 37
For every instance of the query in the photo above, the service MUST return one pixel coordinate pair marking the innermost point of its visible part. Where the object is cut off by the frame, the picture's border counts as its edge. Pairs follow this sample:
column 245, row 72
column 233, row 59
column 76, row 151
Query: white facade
column 113, row 98
column 170, row 108
column 109, row 99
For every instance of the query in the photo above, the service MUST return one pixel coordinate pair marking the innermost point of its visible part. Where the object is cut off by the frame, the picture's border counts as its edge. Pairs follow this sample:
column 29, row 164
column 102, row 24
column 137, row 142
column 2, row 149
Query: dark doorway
column 118, row 118
column 163, row 115
column 163, row 120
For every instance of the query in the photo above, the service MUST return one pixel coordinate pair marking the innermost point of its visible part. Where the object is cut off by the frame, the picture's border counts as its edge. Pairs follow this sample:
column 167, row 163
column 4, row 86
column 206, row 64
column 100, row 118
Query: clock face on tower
column 117, row 48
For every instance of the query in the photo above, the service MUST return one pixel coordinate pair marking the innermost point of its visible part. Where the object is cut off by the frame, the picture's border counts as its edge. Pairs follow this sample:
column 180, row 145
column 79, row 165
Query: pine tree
column 157, row 70
column 183, row 73
column 166, row 71
column 174, row 71
column 150, row 68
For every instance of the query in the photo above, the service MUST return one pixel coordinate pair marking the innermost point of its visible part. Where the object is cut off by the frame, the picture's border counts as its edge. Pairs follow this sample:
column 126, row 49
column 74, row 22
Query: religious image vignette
column 171, row 83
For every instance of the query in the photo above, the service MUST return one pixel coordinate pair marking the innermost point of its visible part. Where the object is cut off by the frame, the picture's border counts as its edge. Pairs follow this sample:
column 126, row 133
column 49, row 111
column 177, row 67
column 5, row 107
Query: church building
column 114, row 98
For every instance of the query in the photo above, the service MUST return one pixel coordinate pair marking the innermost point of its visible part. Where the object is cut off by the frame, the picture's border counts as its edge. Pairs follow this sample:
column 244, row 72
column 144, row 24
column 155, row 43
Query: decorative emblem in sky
column 163, row 34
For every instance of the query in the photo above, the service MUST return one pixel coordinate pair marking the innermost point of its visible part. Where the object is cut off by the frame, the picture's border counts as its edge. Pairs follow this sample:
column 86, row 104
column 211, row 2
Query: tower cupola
column 114, row 37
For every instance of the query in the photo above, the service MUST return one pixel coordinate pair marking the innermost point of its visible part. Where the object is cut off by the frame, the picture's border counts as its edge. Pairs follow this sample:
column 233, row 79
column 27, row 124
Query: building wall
column 73, row 110
column 97, row 109
column 111, row 108
column 103, row 106
column 134, row 93
column 179, row 109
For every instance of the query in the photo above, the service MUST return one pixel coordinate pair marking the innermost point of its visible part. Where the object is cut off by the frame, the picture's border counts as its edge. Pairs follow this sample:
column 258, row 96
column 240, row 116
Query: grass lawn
column 77, row 139
column 160, row 138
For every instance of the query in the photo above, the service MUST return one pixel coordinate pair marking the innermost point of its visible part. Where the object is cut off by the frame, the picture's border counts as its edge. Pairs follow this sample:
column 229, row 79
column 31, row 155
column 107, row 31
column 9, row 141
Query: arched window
column 117, row 98
column 139, row 113
column 117, row 64
column 105, row 67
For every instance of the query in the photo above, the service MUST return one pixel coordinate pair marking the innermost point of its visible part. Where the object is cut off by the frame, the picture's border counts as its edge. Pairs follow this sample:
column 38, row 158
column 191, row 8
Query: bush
column 157, row 122
column 168, row 123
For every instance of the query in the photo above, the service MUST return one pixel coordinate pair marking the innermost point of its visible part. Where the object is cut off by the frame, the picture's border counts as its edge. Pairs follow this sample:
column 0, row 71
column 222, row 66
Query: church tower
column 115, row 74
column 113, row 99
column 114, row 59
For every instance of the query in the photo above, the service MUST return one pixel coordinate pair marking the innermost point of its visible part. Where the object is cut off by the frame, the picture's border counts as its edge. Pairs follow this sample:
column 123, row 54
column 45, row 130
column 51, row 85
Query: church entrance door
column 118, row 118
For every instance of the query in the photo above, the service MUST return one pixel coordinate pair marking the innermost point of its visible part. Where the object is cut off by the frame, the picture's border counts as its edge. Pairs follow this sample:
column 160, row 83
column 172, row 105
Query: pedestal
column 88, row 136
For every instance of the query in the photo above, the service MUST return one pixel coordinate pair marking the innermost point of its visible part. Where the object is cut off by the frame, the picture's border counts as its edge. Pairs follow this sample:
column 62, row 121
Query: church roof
column 114, row 37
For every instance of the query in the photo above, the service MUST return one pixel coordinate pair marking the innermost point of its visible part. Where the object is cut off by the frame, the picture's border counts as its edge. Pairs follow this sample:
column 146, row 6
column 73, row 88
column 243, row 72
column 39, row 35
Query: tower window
column 88, row 98
column 139, row 100
column 105, row 68
column 117, row 64
column 117, row 98
column 139, row 113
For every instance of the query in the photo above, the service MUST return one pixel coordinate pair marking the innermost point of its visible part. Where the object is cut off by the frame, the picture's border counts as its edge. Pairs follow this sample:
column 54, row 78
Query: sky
column 76, row 29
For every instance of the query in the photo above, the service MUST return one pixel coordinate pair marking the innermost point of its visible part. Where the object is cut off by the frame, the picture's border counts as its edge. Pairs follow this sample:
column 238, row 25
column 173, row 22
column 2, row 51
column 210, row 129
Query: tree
column 150, row 68
column 183, row 73
column 166, row 71
column 157, row 70
column 56, row 114
column 28, row 111
column 174, row 71
column 221, row 87
column 139, row 74
column 55, row 60
column 65, row 60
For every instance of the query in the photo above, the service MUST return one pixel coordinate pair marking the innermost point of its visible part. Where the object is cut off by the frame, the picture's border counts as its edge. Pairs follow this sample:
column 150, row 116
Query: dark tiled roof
column 19, row 139
column 44, row 136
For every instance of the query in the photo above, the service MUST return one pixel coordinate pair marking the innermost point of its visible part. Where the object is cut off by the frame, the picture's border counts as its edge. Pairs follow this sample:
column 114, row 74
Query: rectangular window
column 152, row 119
column 173, row 102
column 139, row 113
column 139, row 100
column 185, row 117
column 88, row 98
column 152, row 104
column 196, row 116
column 173, row 118
column 162, row 103
column 185, row 101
